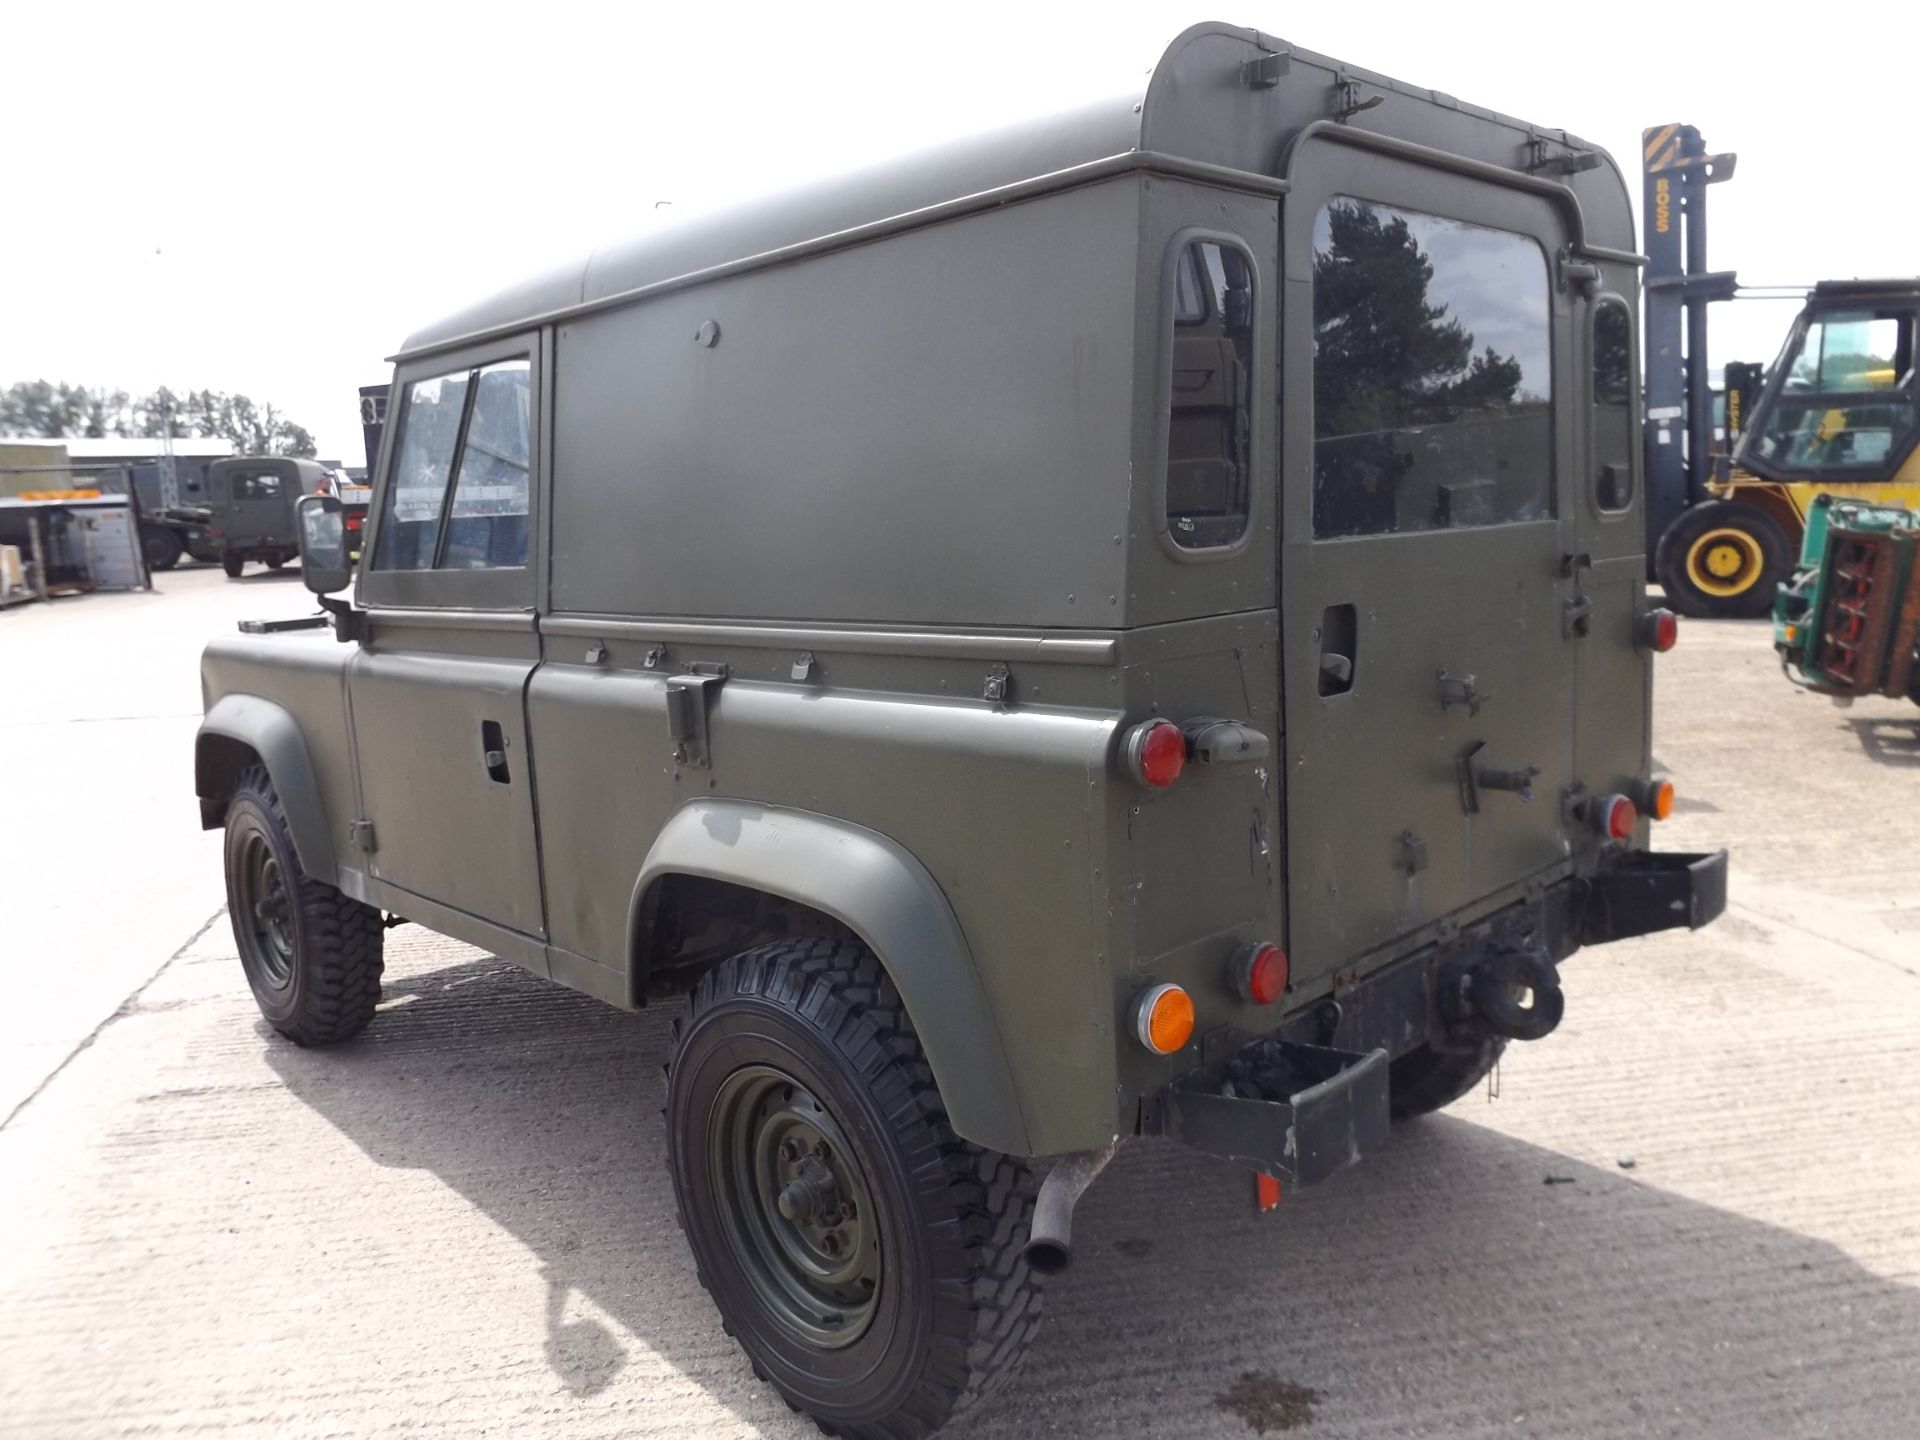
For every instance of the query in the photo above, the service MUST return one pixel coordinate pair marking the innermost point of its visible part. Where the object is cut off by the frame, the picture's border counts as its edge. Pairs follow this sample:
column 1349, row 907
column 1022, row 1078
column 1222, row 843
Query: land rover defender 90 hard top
column 1132, row 626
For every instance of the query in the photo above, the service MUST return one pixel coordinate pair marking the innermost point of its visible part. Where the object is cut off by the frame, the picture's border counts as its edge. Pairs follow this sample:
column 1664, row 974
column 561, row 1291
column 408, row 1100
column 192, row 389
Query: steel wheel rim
column 266, row 911
column 786, row 1179
column 1725, row 562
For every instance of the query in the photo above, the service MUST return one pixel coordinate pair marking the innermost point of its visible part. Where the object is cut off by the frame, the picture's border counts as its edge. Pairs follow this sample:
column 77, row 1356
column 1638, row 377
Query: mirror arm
column 349, row 624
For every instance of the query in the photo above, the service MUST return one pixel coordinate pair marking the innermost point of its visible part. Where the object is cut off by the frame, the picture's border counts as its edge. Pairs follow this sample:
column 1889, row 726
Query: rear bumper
column 1312, row 1098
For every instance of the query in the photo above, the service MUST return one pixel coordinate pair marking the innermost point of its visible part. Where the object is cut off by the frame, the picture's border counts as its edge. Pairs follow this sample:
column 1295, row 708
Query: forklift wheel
column 1722, row 561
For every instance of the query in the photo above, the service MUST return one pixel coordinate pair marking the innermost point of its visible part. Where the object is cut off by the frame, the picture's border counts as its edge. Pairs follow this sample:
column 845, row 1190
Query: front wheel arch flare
column 886, row 897
column 241, row 730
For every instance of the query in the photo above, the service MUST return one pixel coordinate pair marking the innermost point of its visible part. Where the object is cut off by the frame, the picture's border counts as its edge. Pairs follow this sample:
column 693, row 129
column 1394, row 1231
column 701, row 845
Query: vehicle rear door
column 1426, row 570
column 259, row 507
column 438, row 690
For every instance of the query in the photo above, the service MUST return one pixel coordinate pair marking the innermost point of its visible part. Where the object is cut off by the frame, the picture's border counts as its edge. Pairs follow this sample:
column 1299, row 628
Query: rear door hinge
column 360, row 836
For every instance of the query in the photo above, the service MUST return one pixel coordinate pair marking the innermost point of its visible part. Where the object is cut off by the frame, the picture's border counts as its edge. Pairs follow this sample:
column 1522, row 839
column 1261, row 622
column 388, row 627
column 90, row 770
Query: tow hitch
column 1514, row 994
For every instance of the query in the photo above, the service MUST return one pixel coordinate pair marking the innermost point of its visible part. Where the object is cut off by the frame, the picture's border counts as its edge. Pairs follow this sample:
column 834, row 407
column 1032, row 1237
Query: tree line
column 55, row 410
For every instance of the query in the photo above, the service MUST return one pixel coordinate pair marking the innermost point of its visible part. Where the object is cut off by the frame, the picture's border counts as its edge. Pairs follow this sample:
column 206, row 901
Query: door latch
column 689, row 697
column 1457, row 688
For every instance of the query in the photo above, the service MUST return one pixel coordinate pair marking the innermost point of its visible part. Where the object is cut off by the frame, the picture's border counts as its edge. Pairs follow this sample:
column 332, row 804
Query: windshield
column 1846, row 400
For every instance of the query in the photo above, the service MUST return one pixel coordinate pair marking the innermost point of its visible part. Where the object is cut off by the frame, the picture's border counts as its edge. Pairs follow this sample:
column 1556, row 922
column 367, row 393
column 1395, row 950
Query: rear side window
column 1432, row 373
column 1210, row 407
column 457, row 499
column 1613, row 427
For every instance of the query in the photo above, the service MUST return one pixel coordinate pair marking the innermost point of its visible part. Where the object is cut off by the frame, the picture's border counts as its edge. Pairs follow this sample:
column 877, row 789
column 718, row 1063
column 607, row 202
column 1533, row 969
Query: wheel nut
column 789, row 1151
column 821, row 1150
column 830, row 1242
column 847, row 1212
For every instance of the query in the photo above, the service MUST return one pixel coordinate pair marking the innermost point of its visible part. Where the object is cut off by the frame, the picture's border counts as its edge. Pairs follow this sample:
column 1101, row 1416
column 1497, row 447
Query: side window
column 458, row 494
column 1210, row 407
column 422, row 461
column 1432, row 373
column 1613, row 432
column 487, row 522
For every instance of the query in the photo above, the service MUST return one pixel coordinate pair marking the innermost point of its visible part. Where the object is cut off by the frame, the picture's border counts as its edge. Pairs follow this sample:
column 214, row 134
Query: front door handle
column 493, row 752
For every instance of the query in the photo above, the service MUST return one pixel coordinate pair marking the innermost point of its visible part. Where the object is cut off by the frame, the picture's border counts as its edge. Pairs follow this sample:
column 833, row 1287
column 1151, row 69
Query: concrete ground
column 1693, row 1212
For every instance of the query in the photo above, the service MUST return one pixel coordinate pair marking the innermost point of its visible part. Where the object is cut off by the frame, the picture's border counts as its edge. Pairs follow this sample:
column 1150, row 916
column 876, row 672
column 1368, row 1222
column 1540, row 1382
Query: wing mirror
column 325, row 562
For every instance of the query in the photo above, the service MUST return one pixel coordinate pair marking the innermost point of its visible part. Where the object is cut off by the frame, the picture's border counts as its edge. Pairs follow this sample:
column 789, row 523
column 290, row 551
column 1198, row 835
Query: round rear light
column 1659, row 629
column 1163, row 1019
column 1615, row 816
column 1155, row 752
column 1660, row 799
column 1260, row 973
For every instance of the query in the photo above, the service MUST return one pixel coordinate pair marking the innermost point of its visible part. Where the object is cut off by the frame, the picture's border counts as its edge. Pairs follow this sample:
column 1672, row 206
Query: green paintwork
column 927, row 442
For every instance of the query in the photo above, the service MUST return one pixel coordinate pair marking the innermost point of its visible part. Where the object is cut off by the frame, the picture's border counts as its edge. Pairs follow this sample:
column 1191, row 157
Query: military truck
column 1133, row 626
column 249, row 511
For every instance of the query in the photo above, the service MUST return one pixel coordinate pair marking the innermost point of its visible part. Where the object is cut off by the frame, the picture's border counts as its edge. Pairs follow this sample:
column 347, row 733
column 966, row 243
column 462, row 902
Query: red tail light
column 1260, row 973
column 1659, row 629
column 1155, row 752
column 1614, row 816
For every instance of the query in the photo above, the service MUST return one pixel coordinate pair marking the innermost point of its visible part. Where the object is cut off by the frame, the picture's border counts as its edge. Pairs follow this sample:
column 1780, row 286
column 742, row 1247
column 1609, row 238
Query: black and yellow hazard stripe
column 1660, row 146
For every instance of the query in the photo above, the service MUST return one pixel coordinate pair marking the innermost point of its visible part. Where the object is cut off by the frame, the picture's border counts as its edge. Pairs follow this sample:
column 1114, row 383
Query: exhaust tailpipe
column 1049, row 1247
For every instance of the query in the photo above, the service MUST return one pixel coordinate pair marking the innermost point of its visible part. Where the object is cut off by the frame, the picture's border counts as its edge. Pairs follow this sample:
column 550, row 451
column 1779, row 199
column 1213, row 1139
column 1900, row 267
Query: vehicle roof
column 312, row 469
column 1179, row 111
column 1857, row 289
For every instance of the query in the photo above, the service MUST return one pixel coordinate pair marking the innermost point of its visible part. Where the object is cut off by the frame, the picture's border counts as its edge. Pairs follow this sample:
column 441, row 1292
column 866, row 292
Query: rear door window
column 1433, row 373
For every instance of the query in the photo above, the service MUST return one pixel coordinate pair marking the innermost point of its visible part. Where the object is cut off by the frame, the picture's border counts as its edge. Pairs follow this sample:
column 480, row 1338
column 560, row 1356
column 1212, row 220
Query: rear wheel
column 162, row 547
column 232, row 564
column 866, row 1258
column 276, row 562
column 1425, row 1080
column 1723, row 560
column 312, row 955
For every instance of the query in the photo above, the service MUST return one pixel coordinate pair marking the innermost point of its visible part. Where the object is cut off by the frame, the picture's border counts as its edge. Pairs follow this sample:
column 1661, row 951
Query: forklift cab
column 1841, row 405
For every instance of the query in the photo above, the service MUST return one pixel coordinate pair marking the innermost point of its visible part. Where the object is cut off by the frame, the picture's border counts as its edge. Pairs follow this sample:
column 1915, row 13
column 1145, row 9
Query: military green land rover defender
column 1130, row 627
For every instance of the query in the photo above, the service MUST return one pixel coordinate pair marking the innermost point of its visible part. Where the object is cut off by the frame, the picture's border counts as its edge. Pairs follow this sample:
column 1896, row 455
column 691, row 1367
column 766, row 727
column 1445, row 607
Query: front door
column 1425, row 564
column 438, row 691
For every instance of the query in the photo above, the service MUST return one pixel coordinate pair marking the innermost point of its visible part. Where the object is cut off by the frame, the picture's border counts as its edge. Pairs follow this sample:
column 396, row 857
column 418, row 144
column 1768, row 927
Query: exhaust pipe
column 1049, row 1247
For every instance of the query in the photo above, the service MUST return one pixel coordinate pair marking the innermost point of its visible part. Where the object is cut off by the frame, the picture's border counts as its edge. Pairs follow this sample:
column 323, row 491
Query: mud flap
column 1296, row 1112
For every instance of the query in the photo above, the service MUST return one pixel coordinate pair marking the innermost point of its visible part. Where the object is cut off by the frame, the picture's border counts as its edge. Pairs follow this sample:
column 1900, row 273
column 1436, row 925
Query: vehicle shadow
column 1458, row 1283
column 1888, row 742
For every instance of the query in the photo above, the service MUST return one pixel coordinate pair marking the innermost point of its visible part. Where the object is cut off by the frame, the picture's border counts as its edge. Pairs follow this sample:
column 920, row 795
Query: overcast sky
column 267, row 198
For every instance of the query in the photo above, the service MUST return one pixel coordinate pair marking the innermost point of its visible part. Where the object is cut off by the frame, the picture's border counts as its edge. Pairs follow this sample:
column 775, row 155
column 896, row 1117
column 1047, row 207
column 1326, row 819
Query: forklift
column 1837, row 414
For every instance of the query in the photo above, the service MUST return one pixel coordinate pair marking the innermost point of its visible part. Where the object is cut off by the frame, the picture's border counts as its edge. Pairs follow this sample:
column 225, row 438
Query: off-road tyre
column 276, row 562
column 1749, row 539
column 1425, row 1080
column 313, row 959
column 162, row 547
column 233, row 565
column 955, row 1302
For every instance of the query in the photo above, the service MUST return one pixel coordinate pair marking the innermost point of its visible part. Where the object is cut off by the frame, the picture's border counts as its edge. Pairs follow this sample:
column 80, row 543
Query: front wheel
column 1723, row 560
column 312, row 954
column 232, row 564
column 867, row 1259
